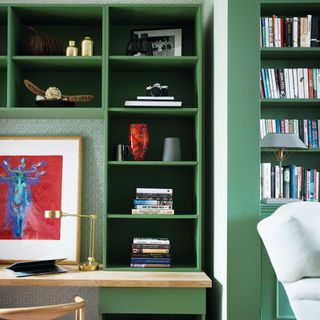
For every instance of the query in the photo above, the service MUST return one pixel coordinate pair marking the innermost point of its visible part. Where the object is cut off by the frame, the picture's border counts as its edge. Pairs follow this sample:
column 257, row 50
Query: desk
column 175, row 293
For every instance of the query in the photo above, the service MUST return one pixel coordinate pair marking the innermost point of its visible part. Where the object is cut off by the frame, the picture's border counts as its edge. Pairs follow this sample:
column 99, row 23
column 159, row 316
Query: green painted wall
column 243, row 248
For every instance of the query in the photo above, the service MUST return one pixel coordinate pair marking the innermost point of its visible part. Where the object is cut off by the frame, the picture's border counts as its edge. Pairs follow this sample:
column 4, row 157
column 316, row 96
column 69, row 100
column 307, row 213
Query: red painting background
column 46, row 194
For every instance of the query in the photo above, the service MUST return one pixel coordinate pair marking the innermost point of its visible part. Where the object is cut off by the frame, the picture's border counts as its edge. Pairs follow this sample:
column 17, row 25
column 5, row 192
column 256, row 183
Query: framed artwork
column 165, row 42
column 38, row 174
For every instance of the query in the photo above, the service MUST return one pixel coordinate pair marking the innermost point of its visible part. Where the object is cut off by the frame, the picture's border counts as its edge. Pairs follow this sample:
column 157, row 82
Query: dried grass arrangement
column 42, row 44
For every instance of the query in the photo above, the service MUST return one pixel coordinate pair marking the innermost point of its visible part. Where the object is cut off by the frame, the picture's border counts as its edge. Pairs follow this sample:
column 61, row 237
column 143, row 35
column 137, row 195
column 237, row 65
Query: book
column 155, row 207
column 152, row 211
column 145, row 265
column 149, row 251
column 160, row 98
column 150, row 255
column 152, row 103
column 151, row 260
column 138, row 240
column 154, row 190
column 150, row 246
column 156, row 201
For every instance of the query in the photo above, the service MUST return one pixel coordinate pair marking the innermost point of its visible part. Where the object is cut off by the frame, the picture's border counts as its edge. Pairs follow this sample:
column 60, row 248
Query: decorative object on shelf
column 138, row 140
column 72, row 50
column 281, row 144
column 171, row 149
column 42, row 44
column 87, row 47
column 140, row 46
column 164, row 42
column 156, row 96
column 36, row 172
column 53, row 97
column 157, row 90
column 90, row 264
column 120, row 152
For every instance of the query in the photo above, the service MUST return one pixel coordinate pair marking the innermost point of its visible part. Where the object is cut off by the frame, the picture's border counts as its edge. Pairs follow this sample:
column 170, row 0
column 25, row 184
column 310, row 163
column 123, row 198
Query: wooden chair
column 45, row 312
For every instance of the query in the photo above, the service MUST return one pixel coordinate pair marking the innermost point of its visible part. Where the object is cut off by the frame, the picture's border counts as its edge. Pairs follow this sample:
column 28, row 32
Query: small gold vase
column 87, row 47
column 72, row 50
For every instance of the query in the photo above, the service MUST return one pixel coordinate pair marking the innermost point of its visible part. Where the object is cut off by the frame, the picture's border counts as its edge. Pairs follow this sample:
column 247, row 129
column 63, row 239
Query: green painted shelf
column 290, row 53
column 312, row 150
column 58, row 63
column 51, row 113
column 153, row 163
column 290, row 102
column 172, row 269
column 136, row 112
column 152, row 62
column 152, row 216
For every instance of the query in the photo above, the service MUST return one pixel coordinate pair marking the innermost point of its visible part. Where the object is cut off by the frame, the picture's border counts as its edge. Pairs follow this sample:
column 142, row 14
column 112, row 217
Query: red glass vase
column 138, row 140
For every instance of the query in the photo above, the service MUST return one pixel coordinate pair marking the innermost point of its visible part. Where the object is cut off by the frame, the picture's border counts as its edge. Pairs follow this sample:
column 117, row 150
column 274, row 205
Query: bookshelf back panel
column 181, row 234
column 3, row 38
column 290, row 9
column 69, row 83
column 291, row 112
column 306, row 160
column 3, row 88
column 123, row 182
column 128, row 85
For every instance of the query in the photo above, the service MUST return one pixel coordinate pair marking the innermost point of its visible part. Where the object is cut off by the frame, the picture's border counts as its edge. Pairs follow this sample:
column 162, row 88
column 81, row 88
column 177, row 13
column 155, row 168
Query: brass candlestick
column 90, row 264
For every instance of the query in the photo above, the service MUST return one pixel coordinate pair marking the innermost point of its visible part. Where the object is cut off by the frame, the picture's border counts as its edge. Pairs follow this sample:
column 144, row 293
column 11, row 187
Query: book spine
column 150, row 202
column 271, row 39
column 301, row 84
column 266, row 27
column 295, row 31
column 154, row 207
column 286, row 82
column 154, row 190
column 139, row 265
column 286, row 182
column 152, row 211
column 310, row 78
column 282, row 83
column 151, row 255
column 151, row 260
column 262, row 32
column 149, row 251
column 314, row 31
column 306, row 83
column 309, row 22
column 151, row 241
column 150, row 246
column 295, row 84
column 314, row 82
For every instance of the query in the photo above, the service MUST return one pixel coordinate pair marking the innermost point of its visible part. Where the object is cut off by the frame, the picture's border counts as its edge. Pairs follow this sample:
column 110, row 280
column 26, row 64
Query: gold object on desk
column 72, row 50
column 90, row 264
column 87, row 47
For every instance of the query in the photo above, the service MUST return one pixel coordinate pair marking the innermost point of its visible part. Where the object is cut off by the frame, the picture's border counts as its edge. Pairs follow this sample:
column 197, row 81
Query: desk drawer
column 153, row 300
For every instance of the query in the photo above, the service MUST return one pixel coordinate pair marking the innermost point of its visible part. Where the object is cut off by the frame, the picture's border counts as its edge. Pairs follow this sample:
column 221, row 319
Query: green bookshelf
column 113, row 77
column 274, row 302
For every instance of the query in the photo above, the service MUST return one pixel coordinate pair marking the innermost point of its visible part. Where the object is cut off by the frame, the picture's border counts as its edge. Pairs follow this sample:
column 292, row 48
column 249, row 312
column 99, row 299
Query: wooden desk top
column 118, row 279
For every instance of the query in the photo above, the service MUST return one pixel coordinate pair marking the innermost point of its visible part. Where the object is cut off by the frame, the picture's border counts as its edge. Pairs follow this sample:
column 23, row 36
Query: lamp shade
column 283, row 141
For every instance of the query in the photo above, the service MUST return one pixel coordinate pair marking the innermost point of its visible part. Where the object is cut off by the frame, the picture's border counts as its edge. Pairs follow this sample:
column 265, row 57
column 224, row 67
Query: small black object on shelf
column 140, row 45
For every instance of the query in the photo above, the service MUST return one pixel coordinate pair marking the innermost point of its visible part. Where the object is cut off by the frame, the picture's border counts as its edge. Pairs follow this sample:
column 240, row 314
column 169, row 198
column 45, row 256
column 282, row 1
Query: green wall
column 243, row 249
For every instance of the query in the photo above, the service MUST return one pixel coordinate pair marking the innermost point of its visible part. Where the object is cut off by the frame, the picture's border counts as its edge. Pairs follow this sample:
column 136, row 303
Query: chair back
column 45, row 312
column 291, row 236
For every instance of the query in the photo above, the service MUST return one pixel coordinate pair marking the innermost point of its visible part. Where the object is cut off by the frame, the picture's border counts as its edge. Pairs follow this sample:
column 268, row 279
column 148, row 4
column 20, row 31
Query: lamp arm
column 90, row 216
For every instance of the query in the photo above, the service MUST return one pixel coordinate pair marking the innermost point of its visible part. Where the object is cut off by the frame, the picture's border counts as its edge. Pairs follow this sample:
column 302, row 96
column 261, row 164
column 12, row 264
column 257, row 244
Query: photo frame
column 165, row 42
column 38, row 174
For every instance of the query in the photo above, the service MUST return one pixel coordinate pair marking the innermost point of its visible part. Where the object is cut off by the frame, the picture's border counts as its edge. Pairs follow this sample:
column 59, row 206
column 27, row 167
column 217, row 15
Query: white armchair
column 291, row 236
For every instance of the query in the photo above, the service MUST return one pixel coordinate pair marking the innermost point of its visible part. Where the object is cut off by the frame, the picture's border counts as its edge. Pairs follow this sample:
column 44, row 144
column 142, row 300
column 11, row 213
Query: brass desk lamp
column 90, row 264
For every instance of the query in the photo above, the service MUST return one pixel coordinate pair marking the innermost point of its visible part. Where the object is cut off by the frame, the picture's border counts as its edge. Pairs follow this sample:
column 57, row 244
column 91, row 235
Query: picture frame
column 166, row 36
column 38, row 174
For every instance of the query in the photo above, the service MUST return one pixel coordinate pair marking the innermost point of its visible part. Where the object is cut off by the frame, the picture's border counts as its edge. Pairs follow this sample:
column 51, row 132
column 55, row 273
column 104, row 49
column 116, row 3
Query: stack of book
column 289, row 31
column 150, row 253
column 153, row 201
column 155, row 102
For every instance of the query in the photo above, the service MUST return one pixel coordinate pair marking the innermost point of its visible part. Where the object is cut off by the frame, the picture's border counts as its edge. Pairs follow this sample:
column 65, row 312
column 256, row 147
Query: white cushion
column 292, row 239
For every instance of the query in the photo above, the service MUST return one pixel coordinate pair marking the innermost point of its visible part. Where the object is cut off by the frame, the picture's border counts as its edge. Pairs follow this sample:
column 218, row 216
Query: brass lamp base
column 89, row 266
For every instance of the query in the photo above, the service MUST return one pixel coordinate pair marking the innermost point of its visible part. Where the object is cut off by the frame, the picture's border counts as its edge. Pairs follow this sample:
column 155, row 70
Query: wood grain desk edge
column 116, row 279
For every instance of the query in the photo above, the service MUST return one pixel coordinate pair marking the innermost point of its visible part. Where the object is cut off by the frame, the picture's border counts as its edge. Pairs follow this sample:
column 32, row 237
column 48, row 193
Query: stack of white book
column 155, row 102
column 153, row 201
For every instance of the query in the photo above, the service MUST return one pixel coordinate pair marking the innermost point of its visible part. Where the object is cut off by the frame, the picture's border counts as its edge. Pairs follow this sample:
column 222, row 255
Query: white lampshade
column 283, row 141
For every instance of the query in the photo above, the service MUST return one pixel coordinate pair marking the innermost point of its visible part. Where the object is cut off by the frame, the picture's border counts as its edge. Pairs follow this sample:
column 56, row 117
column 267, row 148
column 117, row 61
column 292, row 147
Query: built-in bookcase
column 128, row 77
column 113, row 77
column 274, row 301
